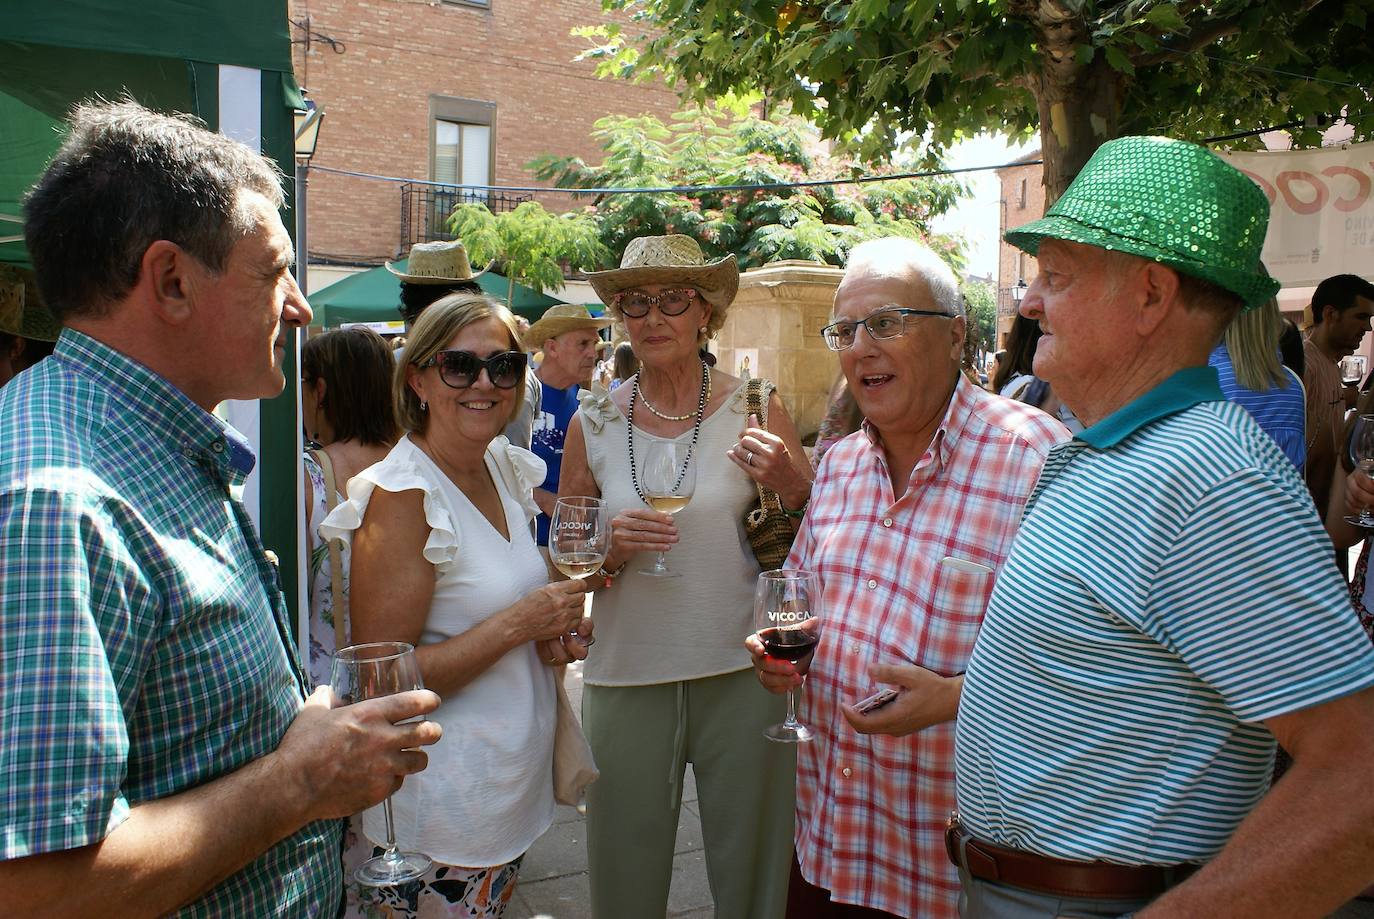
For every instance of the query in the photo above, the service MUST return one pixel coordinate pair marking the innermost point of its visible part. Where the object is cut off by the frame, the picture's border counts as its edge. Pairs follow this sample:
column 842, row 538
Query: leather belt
column 1058, row 876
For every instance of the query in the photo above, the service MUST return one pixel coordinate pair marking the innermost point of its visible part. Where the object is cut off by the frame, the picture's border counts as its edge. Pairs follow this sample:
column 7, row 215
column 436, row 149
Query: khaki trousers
column 642, row 738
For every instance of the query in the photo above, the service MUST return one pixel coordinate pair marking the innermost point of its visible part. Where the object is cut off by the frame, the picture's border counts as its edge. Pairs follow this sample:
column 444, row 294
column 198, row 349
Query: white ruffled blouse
column 488, row 792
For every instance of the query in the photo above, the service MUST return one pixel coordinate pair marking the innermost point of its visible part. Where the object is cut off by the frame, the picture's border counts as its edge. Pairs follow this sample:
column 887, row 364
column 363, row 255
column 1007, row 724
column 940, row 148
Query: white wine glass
column 1362, row 452
column 579, row 538
column 370, row 671
column 787, row 619
column 669, row 478
column 1352, row 369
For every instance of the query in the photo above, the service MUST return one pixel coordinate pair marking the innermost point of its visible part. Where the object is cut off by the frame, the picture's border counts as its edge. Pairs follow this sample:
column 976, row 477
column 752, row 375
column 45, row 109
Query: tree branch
column 1196, row 42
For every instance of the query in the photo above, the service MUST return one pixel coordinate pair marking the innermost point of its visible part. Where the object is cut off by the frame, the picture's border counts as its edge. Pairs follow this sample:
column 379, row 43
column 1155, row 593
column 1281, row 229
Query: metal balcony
column 425, row 209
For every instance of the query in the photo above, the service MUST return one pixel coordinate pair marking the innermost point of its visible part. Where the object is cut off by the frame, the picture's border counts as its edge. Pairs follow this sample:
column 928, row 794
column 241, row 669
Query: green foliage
column 980, row 302
column 874, row 72
column 529, row 242
column 714, row 146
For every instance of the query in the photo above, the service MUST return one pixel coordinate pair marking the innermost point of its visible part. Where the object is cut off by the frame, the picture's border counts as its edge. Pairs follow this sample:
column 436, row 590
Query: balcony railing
column 425, row 209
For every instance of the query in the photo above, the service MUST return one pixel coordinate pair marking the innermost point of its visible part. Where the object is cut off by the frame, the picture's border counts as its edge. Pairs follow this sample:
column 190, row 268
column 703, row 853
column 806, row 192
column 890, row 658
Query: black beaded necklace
column 696, row 431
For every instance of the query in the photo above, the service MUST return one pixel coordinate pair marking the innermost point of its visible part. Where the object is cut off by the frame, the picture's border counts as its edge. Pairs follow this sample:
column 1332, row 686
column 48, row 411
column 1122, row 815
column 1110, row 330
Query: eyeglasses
column 459, row 369
column 670, row 303
column 885, row 323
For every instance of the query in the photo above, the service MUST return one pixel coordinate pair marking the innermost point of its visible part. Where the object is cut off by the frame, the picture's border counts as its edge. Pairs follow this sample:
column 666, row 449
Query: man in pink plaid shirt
column 908, row 522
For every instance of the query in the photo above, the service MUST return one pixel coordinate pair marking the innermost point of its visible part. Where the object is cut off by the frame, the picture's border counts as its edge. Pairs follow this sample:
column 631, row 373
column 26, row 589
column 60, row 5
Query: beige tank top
column 661, row 630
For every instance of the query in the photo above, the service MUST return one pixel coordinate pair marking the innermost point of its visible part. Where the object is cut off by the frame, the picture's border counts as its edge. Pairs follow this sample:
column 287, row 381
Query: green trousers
column 642, row 738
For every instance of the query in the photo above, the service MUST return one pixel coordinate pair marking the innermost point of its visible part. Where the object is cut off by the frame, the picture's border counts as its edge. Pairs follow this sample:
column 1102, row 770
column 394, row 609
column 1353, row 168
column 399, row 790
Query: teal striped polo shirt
column 1169, row 589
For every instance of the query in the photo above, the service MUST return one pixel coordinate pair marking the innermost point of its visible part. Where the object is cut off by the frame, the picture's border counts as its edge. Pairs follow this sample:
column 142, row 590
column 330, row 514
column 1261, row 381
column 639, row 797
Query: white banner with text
column 1321, row 215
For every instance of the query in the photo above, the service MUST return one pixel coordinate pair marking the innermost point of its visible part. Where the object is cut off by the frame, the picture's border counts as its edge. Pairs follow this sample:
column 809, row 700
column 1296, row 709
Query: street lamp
column 307, row 135
column 1018, row 293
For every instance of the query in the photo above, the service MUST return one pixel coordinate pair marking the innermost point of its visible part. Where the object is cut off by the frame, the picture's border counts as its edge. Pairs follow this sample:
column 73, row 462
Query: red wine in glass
column 787, row 620
column 789, row 643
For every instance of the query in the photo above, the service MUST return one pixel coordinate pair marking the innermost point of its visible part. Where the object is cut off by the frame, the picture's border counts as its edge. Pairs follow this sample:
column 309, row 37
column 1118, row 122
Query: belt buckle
column 958, row 842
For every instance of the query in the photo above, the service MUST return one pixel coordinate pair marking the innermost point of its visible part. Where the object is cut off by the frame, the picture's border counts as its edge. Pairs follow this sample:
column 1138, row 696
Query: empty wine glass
column 1362, row 452
column 669, row 478
column 369, row 671
column 1352, row 369
column 787, row 617
column 579, row 537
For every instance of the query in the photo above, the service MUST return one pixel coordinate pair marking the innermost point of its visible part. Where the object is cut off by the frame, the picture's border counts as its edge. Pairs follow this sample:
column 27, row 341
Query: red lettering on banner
column 1361, row 187
column 1285, row 180
column 1263, row 183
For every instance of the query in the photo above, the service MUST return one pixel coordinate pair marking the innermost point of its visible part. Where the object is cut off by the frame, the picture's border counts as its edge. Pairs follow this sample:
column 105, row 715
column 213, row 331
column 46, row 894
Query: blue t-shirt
column 1279, row 410
column 546, row 440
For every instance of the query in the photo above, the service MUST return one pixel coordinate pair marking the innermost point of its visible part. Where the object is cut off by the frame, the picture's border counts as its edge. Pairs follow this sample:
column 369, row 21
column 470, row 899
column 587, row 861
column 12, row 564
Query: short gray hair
column 126, row 177
column 897, row 256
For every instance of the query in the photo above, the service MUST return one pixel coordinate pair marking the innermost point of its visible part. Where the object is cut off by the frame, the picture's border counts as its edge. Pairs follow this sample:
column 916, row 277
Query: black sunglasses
column 459, row 369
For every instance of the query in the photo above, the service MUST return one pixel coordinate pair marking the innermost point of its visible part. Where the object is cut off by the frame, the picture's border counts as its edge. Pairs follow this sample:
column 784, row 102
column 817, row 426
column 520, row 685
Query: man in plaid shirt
column 908, row 523
column 158, row 752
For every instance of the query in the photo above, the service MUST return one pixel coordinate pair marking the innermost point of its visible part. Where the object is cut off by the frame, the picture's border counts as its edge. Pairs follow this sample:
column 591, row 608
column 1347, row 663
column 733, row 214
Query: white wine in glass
column 370, row 671
column 579, row 537
column 1362, row 452
column 669, row 478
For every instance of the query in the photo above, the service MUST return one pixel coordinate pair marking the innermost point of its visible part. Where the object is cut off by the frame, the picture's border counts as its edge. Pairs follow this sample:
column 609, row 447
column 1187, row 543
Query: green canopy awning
column 375, row 294
column 171, row 55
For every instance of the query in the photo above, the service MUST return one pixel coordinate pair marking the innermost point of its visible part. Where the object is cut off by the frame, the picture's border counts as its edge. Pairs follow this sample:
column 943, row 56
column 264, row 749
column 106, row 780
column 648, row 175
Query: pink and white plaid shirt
column 871, row 810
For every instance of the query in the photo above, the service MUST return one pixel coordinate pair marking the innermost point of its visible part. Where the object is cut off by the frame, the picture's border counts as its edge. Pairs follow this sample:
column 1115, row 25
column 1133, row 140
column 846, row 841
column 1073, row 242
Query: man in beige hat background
column 569, row 337
column 433, row 270
column 27, row 329
column 436, row 269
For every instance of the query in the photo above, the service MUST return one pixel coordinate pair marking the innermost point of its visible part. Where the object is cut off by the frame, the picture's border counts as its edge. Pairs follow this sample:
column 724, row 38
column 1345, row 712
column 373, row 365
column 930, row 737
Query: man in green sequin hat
column 1169, row 608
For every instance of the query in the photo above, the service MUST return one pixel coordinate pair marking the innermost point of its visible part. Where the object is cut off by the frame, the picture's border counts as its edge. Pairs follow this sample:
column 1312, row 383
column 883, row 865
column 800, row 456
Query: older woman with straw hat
column 670, row 682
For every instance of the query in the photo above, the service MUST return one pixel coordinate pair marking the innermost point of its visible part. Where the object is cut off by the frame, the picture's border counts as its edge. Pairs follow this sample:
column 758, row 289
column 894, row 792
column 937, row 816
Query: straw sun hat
column 670, row 260
column 437, row 263
column 565, row 317
column 1169, row 201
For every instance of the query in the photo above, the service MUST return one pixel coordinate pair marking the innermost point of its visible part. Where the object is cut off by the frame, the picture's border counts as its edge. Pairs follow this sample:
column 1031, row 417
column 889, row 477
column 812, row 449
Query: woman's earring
column 424, row 406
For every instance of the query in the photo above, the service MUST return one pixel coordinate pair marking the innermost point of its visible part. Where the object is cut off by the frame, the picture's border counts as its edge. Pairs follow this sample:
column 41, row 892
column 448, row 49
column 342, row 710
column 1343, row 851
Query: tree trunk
column 1080, row 105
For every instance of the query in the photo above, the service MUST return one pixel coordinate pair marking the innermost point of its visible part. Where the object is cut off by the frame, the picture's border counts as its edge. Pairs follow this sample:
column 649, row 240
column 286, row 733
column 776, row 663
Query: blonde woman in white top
column 670, row 682
column 442, row 557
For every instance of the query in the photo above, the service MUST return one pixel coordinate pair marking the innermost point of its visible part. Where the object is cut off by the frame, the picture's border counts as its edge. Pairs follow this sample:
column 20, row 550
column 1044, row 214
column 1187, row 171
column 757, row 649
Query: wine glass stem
column 391, row 854
column 660, row 564
column 791, row 721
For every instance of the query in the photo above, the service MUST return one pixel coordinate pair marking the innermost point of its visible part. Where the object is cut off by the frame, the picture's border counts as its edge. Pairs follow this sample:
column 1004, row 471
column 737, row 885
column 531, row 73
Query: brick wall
column 376, row 98
column 1023, row 200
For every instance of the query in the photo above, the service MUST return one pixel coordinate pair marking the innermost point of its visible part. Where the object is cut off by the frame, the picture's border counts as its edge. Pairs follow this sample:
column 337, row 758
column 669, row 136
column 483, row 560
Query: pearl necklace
column 696, row 429
column 639, row 393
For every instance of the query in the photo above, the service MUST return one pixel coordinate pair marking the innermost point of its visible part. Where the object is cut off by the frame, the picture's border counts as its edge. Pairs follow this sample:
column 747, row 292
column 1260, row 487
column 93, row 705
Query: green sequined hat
column 1170, row 201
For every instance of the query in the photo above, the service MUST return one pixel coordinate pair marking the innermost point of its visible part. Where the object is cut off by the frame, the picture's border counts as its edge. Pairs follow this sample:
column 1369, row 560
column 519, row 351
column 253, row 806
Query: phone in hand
column 876, row 701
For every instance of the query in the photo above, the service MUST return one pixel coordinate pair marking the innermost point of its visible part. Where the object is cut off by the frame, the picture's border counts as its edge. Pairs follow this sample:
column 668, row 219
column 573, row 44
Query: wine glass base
column 785, row 733
column 659, row 573
column 383, row 872
column 1356, row 520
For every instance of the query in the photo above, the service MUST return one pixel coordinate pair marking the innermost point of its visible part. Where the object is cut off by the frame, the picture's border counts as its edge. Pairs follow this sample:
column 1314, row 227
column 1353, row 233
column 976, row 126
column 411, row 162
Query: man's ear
column 958, row 328
column 168, row 276
column 1158, row 296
